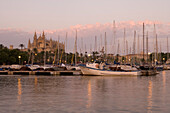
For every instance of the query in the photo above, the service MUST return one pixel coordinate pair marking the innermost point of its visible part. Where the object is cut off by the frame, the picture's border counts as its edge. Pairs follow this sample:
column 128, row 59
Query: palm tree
column 21, row 45
column 1, row 46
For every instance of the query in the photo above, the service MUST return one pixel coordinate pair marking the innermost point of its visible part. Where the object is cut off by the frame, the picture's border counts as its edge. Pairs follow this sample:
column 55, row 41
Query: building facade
column 41, row 44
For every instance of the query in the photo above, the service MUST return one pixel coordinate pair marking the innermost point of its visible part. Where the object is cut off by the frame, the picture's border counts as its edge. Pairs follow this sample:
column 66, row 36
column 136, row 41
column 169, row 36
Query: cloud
column 88, row 32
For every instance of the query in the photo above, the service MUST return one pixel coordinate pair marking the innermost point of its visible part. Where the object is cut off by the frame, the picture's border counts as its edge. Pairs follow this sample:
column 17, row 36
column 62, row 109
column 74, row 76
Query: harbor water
column 85, row 94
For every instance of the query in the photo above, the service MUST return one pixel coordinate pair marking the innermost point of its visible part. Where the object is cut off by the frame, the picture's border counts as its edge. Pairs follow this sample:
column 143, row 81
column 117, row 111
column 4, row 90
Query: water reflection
column 164, row 79
column 35, row 81
column 101, row 84
column 149, row 108
column 89, row 95
column 19, row 90
column 85, row 94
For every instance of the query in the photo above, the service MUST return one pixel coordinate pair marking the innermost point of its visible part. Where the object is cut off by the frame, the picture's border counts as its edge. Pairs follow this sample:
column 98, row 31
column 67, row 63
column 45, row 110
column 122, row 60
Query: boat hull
column 149, row 72
column 93, row 71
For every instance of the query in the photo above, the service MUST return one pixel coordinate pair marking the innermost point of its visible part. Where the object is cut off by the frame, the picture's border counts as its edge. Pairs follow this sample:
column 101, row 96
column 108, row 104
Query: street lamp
column 19, row 59
column 149, row 57
column 163, row 60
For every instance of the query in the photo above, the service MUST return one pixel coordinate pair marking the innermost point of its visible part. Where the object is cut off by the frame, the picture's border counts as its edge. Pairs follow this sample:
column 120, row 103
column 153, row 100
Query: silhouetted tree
column 21, row 45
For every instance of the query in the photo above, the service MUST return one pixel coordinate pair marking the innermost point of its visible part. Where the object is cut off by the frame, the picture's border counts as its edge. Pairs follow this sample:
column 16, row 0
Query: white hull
column 93, row 71
column 77, row 68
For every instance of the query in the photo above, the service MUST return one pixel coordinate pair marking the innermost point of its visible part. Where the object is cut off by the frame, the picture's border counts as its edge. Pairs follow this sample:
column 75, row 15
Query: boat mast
column 167, row 49
column 105, row 47
column 156, row 48
column 58, row 49
column 118, row 50
column 160, row 53
column 32, row 54
column 76, row 49
column 124, row 41
column 66, row 48
column 95, row 48
column 55, row 52
column 85, row 54
column 138, row 50
column 124, row 45
column 155, row 44
column 147, row 46
column 81, row 53
column 114, row 34
column 44, row 51
column 101, row 41
column 99, row 45
column 134, row 45
column 143, row 42
column 82, row 46
column 90, row 48
column 114, row 37
column 127, row 51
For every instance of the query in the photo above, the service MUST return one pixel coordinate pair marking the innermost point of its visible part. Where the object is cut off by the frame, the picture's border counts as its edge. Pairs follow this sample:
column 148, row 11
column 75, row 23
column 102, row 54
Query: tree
column 11, row 60
column 3, row 57
column 21, row 45
column 1, row 46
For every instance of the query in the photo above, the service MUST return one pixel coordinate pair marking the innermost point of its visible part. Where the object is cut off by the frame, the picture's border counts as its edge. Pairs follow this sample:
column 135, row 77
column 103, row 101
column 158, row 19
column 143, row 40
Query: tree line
column 9, row 57
column 18, row 56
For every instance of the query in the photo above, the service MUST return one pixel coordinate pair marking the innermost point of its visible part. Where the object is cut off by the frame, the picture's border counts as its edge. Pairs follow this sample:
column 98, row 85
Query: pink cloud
column 88, row 32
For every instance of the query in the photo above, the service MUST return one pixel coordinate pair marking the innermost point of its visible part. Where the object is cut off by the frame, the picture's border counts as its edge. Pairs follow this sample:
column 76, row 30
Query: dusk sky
column 21, row 18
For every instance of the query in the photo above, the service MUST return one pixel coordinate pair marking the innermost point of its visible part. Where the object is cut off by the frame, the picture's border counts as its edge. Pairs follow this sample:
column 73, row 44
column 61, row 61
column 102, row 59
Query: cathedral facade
column 41, row 44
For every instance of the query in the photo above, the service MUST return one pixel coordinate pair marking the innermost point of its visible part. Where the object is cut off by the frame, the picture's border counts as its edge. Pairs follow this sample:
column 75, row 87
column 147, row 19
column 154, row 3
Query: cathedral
column 42, row 43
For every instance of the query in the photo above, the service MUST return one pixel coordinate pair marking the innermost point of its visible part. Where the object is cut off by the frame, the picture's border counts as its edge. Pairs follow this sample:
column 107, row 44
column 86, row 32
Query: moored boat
column 147, row 70
column 94, row 71
column 101, row 69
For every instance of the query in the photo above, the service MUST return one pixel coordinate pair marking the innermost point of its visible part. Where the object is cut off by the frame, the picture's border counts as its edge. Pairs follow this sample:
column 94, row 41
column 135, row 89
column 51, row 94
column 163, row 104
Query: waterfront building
column 11, row 47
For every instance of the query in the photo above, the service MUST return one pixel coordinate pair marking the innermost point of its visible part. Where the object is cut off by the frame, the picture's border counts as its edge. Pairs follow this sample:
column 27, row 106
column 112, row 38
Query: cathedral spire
column 43, row 39
column 29, row 44
column 35, row 34
column 43, row 34
column 35, row 40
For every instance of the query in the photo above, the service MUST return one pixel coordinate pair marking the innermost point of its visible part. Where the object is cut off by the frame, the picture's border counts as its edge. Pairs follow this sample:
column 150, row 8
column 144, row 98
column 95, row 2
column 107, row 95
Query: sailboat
column 147, row 69
column 102, row 69
column 167, row 64
column 74, row 66
column 59, row 67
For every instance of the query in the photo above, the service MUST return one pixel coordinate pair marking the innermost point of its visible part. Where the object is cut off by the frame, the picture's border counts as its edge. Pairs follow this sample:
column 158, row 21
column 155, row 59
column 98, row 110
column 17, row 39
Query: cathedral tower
column 43, row 39
column 51, row 44
column 35, row 41
column 29, row 44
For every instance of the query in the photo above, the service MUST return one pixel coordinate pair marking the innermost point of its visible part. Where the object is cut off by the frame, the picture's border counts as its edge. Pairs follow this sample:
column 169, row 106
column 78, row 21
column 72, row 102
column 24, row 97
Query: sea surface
column 85, row 94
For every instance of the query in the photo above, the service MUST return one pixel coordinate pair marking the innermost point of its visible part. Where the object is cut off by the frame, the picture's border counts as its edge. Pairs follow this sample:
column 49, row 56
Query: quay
column 40, row 73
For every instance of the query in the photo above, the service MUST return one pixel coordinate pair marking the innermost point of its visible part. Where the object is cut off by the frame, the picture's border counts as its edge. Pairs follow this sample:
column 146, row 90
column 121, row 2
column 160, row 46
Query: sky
column 21, row 18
